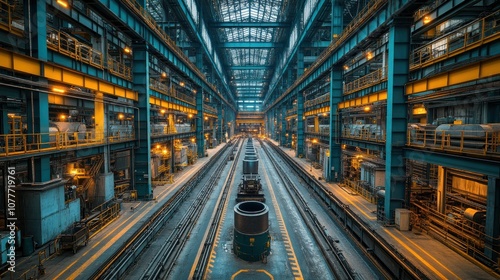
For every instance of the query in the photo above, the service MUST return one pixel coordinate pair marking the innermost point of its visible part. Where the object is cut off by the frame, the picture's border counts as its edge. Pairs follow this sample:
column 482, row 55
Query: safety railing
column 7, row 21
column 467, row 141
column 70, row 46
column 18, row 144
column 369, row 193
column 322, row 99
column 291, row 111
column 366, row 134
column 163, row 88
column 368, row 80
column 209, row 109
column 323, row 129
column 465, row 38
column 119, row 69
column 101, row 216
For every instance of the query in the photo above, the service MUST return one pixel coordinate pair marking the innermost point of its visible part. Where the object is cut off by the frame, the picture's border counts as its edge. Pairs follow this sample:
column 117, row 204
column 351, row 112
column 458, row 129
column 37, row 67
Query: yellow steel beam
column 317, row 111
column 364, row 100
column 475, row 71
column 240, row 121
column 29, row 65
column 172, row 106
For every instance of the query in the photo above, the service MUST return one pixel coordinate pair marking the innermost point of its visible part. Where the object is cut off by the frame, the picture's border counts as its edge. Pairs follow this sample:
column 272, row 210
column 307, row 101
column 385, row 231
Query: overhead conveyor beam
column 250, row 45
column 249, row 67
column 210, row 55
column 373, row 19
column 139, row 23
column 249, row 24
column 291, row 54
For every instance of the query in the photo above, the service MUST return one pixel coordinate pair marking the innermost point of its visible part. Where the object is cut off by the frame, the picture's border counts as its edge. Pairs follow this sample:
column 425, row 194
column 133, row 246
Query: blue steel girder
column 209, row 55
column 78, row 16
column 312, row 18
column 443, row 12
column 140, row 29
column 488, row 167
column 250, row 45
column 336, row 54
column 249, row 24
column 373, row 146
column 249, row 67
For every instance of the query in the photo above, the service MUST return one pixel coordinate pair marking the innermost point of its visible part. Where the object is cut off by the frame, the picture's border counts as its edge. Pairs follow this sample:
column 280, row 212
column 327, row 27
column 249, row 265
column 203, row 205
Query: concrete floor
column 291, row 247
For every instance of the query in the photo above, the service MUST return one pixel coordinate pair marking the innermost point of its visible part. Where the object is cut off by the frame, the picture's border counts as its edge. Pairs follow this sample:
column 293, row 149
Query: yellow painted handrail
column 472, row 35
column 368, row 80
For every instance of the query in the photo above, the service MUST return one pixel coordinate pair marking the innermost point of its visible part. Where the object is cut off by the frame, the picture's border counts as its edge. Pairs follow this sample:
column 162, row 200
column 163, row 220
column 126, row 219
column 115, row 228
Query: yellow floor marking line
column 427, row 264
column 96, row 255
column 284, row 232
column 252, row 270
column 216, row 240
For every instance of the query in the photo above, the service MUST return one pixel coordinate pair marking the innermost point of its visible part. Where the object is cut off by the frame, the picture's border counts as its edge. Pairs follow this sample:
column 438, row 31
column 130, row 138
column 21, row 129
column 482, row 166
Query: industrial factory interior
column 250, row 139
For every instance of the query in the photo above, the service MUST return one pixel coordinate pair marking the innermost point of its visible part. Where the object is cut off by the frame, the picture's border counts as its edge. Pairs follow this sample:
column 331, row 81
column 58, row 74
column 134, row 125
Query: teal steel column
column 36, row 27
column 334, row 173
column 220, row 114
column 38, row 123
column 337, row 18
column 492, row 229
column 300, row 124
column 300, row 62
column 399, row 48
column 38, row 103
column 142, row 154
column 283, row 126
column 200, row 138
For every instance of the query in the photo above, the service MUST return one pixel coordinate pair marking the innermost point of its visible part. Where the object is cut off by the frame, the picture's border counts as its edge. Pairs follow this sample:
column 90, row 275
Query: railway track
column 333, row 256
column 384, row 256
column 116, row 265
column 203, row 259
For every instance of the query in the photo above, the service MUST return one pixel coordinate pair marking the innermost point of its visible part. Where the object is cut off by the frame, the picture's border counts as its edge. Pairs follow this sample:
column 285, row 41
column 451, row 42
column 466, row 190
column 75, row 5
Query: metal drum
column 251, row 157
column 250, row 166
column 252, row 241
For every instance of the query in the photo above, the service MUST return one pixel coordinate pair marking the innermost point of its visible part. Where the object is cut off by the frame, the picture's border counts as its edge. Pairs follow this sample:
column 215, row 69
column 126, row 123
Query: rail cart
column 74, row 237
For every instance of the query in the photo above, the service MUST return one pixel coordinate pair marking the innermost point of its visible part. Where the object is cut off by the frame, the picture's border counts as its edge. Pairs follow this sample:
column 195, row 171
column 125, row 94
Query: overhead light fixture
column 121, row 116
column 127, row 50
column 163, row 75
column 427, row 19
column 162, row 111
column 369, row 55
column 182, row 84
column 63, row 3
column 57, row 89
column 367, row 109
column 346, row 67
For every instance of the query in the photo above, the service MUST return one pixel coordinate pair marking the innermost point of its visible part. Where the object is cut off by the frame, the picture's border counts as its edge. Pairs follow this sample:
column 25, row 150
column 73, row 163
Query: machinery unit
column 252, row 241
column 250, row 189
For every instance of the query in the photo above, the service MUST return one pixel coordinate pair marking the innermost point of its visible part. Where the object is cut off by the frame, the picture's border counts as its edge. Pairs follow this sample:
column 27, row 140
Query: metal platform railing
column 463, row 39
column 18, row 144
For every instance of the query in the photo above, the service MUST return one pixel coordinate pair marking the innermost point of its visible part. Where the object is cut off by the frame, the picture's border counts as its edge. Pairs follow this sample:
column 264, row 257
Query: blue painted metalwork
column 334, row 161
column 300, row 124
column 396, row 121
column 282, row 121
column 142, row 154
column 141, row 30
column 38, row 111
column 200, row 137
column 305, row 30
column 225, row 24
column 250, row 45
